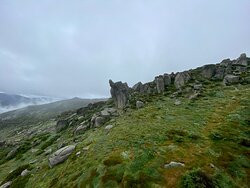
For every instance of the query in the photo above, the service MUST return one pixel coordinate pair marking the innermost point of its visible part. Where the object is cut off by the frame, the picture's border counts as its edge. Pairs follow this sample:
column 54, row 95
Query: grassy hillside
column 36, row 113
column 210, row 135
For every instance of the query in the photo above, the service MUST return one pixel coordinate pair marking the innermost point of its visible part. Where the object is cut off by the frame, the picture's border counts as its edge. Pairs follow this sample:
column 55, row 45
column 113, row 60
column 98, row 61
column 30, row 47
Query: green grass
column 210, row 129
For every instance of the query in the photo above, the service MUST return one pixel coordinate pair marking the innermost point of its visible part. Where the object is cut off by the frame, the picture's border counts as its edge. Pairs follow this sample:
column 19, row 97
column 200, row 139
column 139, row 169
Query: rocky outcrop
column 181, row 79
column 61, row 155
column 61, row 125
column 228, row 71
column 120, row 93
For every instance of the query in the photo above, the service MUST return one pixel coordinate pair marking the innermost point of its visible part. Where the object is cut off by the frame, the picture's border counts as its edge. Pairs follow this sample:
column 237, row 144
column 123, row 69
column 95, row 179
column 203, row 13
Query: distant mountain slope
column 10, row 102
column 35, row 113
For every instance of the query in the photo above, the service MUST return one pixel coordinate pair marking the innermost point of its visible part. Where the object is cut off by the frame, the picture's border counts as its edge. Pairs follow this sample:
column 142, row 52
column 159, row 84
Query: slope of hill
column 36, row 113
column 188, row 129
column 10, row 102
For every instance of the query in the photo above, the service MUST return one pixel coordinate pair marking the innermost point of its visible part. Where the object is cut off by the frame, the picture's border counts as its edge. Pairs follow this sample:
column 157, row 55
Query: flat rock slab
column 174, row 164
column 60, row 155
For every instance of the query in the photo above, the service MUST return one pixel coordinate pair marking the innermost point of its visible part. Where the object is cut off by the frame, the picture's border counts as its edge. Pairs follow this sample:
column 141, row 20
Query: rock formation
column 120, row 93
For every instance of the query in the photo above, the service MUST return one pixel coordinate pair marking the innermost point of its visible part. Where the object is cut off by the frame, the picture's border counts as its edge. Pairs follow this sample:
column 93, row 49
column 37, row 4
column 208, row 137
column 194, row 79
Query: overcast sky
column 72, row 48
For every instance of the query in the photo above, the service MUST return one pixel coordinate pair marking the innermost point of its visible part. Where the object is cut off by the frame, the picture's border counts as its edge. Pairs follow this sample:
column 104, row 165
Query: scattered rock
column 231, row 79
column 195, row 95
column 61, row 145
column 33, row 162
column 139, row 104
column 47, row 152
column 85, row 148
column 25, row 172
column 197, row 86
column 61, row 125
column 80, row 129
column 2, row 143
column 108, row 127
column 212, row 165
column 12, row 153
column 120, row 93
column 174, row 165
column 99, row 121
column 6, row 185
column 60, row 155
column 78, row 153
column 177, row 102
column 181, row 79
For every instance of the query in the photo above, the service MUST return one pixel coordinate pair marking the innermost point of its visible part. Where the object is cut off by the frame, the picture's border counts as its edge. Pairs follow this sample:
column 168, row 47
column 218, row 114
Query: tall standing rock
column 160, row 86
column 120, row 93
column 181, row 79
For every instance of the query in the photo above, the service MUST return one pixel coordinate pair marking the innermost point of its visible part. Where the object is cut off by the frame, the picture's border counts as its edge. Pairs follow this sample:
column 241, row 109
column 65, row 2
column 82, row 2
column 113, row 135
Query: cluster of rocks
column 228, row 71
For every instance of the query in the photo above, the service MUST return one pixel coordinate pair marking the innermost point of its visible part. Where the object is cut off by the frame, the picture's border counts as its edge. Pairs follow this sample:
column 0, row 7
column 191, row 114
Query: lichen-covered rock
column 181, row 79
column 174, row 164
column 120, row 93
column 243, row 60
column 138, row 87
column 231, row 79
column 139, row 104
column 99, row 121
column 167, row 79
column 61, row 125
column 6, row 185
column 80, row 129
column 160, row 86
column 60, row 155
column 25, row 172
column 208, row 71
column 219, row 73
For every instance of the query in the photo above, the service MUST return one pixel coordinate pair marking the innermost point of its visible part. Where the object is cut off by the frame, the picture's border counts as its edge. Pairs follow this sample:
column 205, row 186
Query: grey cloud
column 71, row 48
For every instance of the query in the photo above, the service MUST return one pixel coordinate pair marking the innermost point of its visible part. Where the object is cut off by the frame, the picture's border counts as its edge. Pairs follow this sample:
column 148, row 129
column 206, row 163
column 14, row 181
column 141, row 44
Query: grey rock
column 99, row 121
column 61, row 125
column 174, row 164
column 167, row 79
column 208, row 71
column 12, row 153
column 2, row 143
column 181, row 79
column 25, row 172
column 138, row 87
column 219, row 73
column 195, row 95
column 47, row 152
column 108, row 127
column 61, row 145
column 78, row 153
column 231, row 79
column 120, row 93
column 6, row 185
column 243, row 60
column 226, row 62
column 105, row 113
column 81, row 129
column 160, row 86
column 139, row 104
column 177, row 102
column 60, row 155
column 197, row 86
